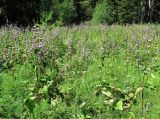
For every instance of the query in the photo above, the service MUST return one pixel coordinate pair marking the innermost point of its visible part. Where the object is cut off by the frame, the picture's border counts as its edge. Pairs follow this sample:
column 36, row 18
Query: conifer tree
column 129, row 11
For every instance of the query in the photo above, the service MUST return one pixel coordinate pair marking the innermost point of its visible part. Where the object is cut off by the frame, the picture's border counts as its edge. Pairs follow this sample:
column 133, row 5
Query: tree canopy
column 65, row 12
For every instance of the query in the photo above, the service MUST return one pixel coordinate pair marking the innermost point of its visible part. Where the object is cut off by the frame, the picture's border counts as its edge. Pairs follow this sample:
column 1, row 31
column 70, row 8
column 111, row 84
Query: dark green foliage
column 103, row 13
column 22, row 12
column 66, row 12
column 129, row 11
column 2, row 12
column 86, row 9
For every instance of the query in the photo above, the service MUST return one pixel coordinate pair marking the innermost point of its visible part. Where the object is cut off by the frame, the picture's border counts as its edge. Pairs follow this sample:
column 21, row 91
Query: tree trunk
column 151, row 5
column 142, row 11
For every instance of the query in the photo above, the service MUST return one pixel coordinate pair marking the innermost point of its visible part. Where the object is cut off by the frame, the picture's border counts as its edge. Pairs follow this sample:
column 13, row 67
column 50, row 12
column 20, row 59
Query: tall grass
column 81, row 72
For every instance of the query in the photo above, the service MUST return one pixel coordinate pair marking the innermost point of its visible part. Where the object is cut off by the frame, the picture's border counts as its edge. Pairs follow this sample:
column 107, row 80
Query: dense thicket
column 63, row 12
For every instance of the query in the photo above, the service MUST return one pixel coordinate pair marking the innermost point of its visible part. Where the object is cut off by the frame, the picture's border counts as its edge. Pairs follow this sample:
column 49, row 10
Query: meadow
column 80, row 72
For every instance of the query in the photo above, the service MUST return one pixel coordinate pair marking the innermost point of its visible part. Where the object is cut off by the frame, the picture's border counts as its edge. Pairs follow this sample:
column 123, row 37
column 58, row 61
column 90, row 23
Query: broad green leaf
column 131, row 115
column 153, row 76
column 119, row 105
column 43, row 90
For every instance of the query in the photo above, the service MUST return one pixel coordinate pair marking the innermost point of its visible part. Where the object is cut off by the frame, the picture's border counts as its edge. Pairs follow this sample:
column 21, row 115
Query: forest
column 67, row 12
column 79, row 59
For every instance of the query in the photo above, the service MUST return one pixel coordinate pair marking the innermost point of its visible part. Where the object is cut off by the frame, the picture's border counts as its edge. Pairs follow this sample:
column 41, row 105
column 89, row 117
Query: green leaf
column 88, row 117
column 131, row 95
column 54, row 102
column 32, row 98
column 83, row 104
column 31, row 88
column 43, row 90
column 131, row 115
column 153, row 76
column 119, row 105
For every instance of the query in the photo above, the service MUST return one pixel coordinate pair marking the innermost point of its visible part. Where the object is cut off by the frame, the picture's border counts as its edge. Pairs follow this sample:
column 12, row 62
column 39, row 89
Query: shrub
column 66, row 12
column 102, row 13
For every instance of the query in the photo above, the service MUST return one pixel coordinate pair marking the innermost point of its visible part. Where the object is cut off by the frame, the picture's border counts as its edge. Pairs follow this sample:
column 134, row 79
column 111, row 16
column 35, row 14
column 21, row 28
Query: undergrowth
column 83, row 72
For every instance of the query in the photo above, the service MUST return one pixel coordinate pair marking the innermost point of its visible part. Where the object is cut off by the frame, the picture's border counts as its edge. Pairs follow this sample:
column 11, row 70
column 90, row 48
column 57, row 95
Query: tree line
column 65, row 12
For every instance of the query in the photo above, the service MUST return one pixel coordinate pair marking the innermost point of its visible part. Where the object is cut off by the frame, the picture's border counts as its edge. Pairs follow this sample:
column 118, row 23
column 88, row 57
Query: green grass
column 83, row 72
